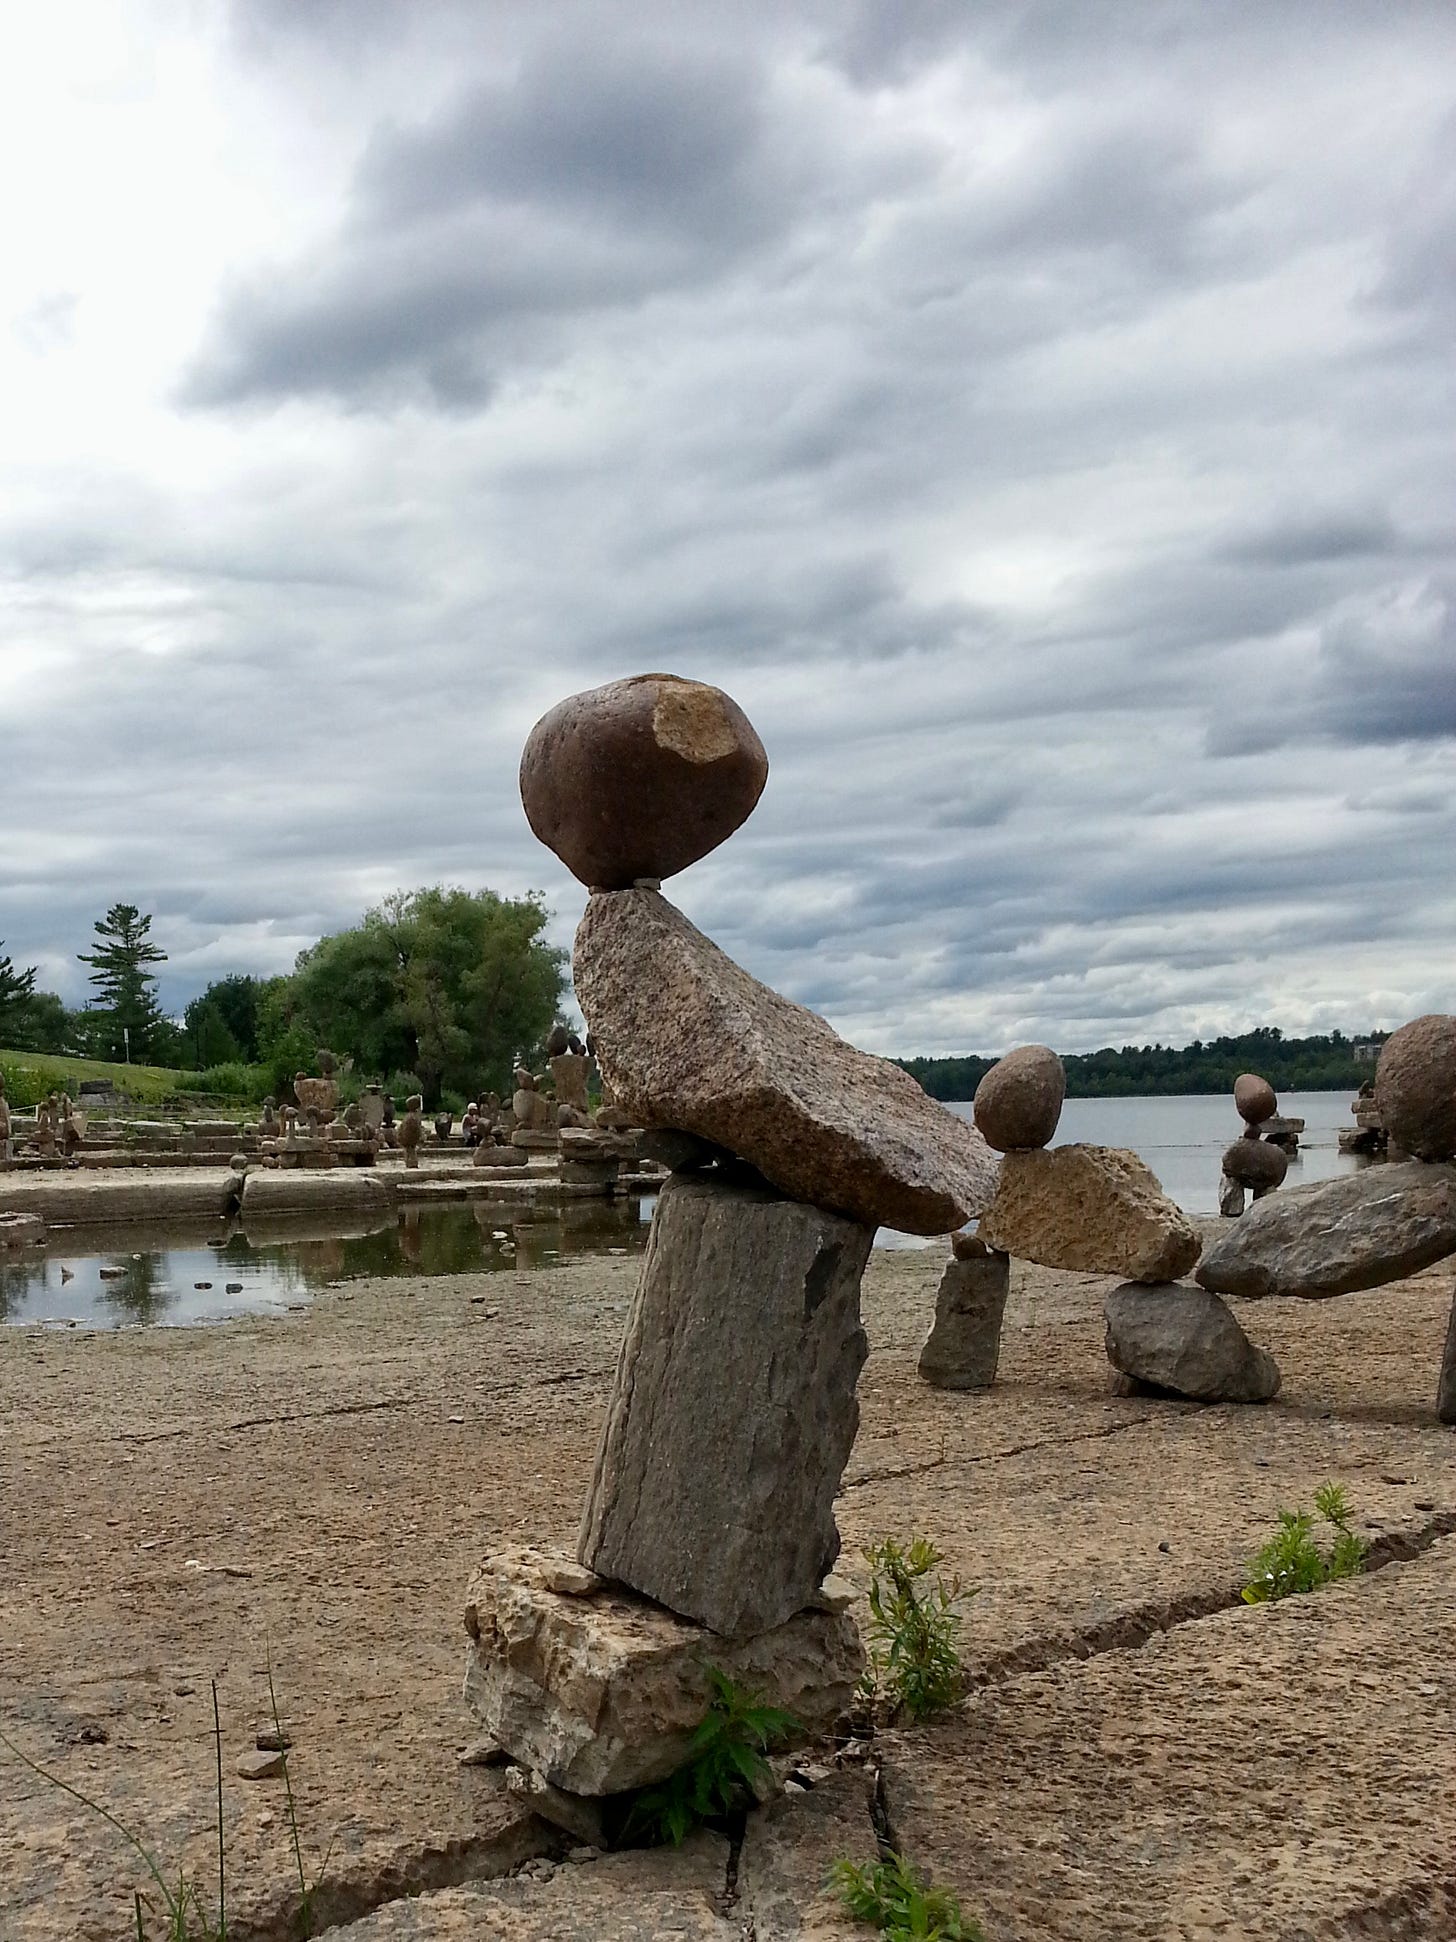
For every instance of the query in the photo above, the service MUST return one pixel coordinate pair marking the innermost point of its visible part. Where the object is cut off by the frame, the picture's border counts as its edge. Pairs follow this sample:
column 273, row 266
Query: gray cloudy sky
column 1039, row 417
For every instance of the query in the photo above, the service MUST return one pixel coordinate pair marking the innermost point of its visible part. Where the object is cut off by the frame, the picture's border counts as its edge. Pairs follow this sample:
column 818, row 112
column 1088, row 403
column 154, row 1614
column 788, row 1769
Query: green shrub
column 1292, row 1560
column 232, row 1081
column 887, row 1895
column 725, row 1770
column 913, row 1629
column 404, row 1085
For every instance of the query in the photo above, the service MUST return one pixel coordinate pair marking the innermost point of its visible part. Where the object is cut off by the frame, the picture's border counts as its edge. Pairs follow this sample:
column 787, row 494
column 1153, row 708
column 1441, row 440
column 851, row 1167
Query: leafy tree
column 126, row 991
column 30, row 1020
column 444, row 982
column 235, row 999
column 208, row 1039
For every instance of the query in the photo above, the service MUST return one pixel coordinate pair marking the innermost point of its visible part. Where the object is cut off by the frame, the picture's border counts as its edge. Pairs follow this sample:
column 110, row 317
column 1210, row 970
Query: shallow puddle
column 180, row 1272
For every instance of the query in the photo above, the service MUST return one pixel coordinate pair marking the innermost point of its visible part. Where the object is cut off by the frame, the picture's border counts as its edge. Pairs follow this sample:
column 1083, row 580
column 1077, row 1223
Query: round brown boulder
column 640, row 778
column 1256, row 1164
column 1254, row 1098
column 1019, row 1101
column 1415, row 1087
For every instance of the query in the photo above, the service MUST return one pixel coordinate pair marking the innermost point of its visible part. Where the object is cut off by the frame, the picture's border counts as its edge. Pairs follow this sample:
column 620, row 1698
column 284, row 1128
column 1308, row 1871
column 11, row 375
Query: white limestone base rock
column 602, row 1692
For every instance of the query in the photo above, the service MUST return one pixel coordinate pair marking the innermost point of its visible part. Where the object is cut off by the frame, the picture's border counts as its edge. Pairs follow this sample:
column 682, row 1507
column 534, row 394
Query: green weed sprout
column 725, row 1771
column 1292, row 1561
column 887, row 1895
column 914, row 1627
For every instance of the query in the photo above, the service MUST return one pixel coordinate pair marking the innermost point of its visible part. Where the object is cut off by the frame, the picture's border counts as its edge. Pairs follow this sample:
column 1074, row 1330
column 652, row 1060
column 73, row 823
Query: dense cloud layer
column 1038, row 417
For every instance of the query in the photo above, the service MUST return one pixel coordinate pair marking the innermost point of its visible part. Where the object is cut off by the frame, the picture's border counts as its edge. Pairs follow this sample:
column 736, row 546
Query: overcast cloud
column 1039, row 417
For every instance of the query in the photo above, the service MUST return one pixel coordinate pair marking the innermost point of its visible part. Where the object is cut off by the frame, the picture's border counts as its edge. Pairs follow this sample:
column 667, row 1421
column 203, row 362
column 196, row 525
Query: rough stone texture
column 685, row 1038
column 962, row 1349
column 733, row 1411
column 296, row 1191
column 1255, row 1098
column 1357, row 1232
column 1415, row 1087
column 1019, row 1101
column 21, row 1230
column 70, row 1200
column 642, row 1895
column 1094, row 1208
column 1273, row 1773
column 1184, row 1339
column 1446, row 1384
column 603, row 1692
column 1230, row 1198
column 640, row 778
column 499, row 1156
column 1256, row 1165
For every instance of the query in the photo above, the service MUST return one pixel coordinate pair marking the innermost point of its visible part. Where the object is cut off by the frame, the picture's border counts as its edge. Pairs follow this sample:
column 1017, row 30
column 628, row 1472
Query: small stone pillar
column 1446, row 1386
column 964, row 1346
column 733, row 1411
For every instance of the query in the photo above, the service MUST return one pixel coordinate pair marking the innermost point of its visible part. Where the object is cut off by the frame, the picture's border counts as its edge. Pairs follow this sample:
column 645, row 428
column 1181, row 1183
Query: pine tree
column 17, row 990
column 126, row 992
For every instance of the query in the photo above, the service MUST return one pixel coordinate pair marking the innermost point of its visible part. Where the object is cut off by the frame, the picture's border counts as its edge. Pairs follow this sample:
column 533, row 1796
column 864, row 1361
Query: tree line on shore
column 1318, row 1064
column 435, row 991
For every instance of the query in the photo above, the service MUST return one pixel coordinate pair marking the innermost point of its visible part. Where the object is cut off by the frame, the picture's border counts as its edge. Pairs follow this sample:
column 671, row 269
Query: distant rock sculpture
column 412, row 1129
column 371, row 1110
column 1095, row 1209
column 318, row 1099
column 1415, row 1087
column 964, row 1345
column 5, row 1133
column 1356, row 1232
column 640, row 778
column 569, row 1073
column 1019, row 1101
column 557, row 1041
column 1256, row 1164
column 45, row 1126
column 1185, row 1340
column 269, row 1126
column 1255, row 1099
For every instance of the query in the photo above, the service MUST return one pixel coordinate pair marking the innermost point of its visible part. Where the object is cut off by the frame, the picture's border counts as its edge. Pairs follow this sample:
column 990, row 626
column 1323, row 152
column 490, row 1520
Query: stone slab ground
column 1141, row 1756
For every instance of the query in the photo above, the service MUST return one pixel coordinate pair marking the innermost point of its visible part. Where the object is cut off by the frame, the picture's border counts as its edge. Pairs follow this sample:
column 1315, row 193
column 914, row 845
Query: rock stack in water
column 709, row 1529
column 1257, row 1162
column 1371, row 1227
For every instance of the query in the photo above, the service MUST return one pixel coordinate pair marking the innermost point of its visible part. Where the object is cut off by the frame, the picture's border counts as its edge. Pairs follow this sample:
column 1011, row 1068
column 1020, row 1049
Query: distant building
column 1365, row 1051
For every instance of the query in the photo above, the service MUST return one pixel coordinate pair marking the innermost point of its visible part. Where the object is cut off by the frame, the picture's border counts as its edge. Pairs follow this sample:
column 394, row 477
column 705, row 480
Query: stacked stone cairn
column 708, row 1532
column 1378, row 1225
column 1093, row 1210
column 1257, row 1162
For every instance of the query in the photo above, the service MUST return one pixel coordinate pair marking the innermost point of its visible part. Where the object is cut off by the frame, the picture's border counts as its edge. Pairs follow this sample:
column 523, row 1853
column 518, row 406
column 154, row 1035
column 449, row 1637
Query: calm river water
column 164, row 1275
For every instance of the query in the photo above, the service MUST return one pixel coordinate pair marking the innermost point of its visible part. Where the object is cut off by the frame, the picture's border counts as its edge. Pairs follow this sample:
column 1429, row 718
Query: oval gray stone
column 1186, row 1340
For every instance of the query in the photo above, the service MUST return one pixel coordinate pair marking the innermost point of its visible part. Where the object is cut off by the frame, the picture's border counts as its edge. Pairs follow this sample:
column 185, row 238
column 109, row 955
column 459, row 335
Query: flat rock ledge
column 1186, row 1340
column 1091, row 1209
column 687, row 1039
column 601, row 1692
column 1378, row 1225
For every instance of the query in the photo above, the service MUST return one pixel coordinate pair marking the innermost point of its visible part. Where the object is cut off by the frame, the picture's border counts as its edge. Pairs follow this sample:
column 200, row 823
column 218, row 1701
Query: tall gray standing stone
column 1446, row 1386
column 964, row 1346
column 733, row 1411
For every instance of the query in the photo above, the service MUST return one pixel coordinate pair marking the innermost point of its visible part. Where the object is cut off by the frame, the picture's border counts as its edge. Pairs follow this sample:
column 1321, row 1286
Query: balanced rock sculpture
column 964, row 1345
column 1019, row 1101
column 709, row 1526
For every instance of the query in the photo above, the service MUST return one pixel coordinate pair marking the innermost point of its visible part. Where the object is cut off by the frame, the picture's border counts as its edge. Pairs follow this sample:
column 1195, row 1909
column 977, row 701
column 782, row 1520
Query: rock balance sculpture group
column 708, row 1532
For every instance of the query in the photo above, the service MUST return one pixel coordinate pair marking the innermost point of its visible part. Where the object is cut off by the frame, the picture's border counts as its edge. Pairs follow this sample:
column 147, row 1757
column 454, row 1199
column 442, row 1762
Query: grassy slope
column 33, row 1074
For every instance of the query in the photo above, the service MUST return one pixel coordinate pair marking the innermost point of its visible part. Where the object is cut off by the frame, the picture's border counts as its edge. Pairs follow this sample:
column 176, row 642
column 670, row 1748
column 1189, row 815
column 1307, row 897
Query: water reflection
column 193, row 1271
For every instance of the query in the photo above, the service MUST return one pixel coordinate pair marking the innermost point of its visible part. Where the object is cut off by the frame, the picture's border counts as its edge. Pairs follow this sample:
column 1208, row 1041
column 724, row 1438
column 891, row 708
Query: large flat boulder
column 1357, row 1232
column 1186, row 1340
column 294, row 1191
column 733, row 1411
column 686, row 1038
column 597, row 1690
column 1092, row 1209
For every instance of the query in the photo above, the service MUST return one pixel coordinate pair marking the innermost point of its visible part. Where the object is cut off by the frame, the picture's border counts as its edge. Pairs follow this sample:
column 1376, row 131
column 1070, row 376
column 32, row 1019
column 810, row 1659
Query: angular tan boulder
column 602, row 1692
column 686, row 1038
column 1093, row 1209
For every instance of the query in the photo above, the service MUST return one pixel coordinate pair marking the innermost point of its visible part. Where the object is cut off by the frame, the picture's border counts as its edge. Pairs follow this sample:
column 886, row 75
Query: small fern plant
column 914, row 1628
column 726, row 1769
column 1292, row 1560
column 888, row 1895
